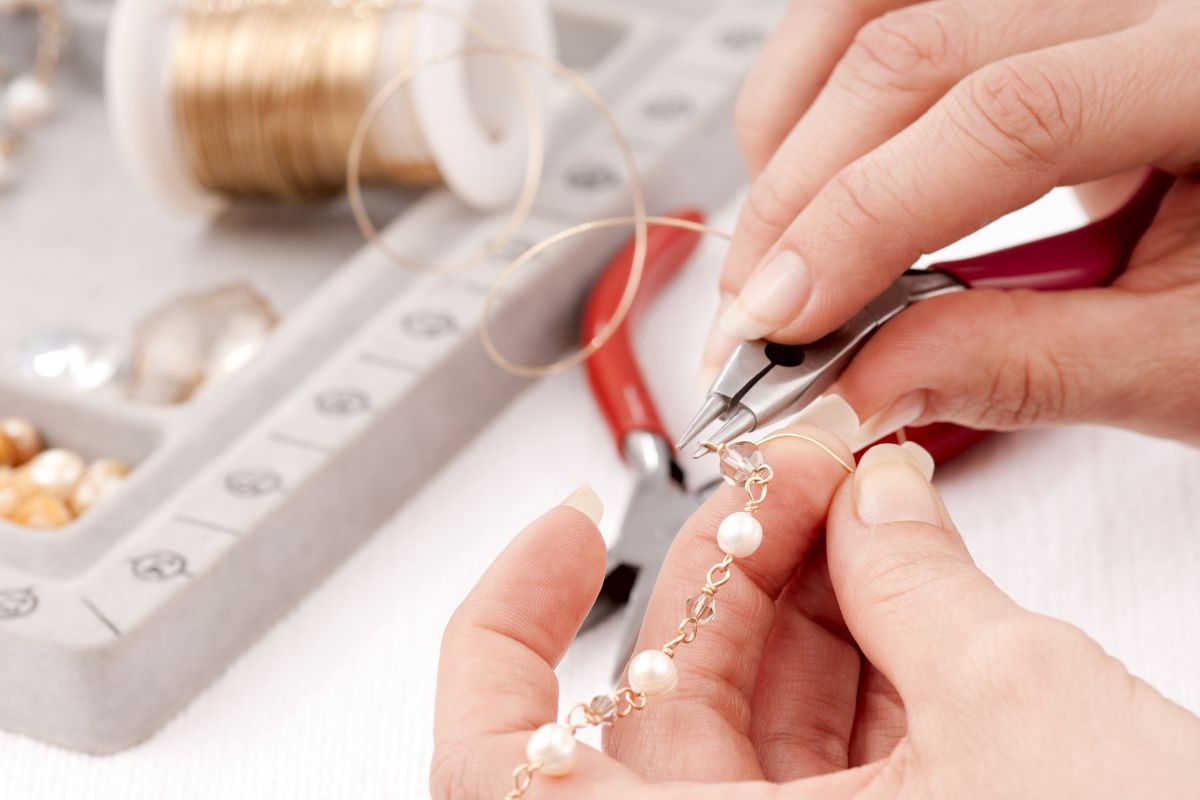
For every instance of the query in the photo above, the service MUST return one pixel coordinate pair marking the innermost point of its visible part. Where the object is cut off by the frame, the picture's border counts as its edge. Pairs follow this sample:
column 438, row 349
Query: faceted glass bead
column 72, row 359
column 604, row 706
column 702, row 608
column 739, row 461
column 196, row 338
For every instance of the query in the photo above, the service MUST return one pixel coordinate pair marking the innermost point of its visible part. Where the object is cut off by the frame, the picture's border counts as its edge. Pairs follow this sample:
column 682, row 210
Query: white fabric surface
column 1095, row 526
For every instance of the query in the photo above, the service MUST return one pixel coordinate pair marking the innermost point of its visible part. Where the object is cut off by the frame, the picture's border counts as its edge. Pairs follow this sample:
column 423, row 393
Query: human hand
column 775, row 700
column 879, row 130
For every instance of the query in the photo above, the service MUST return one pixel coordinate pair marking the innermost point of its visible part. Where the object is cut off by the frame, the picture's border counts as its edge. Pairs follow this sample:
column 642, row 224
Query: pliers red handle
column 613, row 370
column 762, row 382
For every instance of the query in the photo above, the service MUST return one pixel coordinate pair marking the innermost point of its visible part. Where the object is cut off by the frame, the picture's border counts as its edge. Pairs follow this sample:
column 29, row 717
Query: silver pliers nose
column 763, row 381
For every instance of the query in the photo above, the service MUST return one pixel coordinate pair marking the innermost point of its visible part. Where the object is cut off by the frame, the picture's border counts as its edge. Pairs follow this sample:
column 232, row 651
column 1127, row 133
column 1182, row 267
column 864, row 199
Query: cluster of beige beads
column 47, row 488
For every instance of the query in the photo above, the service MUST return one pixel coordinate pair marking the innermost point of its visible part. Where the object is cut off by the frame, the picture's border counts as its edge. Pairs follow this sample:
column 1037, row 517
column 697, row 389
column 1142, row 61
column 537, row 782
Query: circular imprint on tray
column 158, row 566
column 342, row 402
column 667, row 106
column 741, row 38
column 428, row 324
column 252, row 482
column 17, row 603
column 590, row 177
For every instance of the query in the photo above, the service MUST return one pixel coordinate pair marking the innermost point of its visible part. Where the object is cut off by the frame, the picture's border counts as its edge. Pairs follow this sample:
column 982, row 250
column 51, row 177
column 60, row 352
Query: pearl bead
column 42, row 510
column 739, row 534
column 553, row 746
column 28, row 102
column 24, row 437
column 55, row 471
column 10, row 493
column 652, row 672
column 99, row 480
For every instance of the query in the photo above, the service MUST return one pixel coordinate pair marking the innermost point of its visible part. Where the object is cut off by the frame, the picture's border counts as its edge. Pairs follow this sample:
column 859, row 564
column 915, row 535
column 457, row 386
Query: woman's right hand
column 879, row 130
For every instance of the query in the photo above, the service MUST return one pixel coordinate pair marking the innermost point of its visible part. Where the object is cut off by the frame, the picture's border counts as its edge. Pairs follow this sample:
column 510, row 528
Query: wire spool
column 223, row 100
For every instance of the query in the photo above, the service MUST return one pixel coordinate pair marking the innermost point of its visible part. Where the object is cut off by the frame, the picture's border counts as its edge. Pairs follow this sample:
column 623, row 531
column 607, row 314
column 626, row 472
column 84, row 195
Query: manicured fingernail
column 586, row 501
column 774, row 294
column 834, row 414
column 921, row 457
column 902, row 412
column 891, row 486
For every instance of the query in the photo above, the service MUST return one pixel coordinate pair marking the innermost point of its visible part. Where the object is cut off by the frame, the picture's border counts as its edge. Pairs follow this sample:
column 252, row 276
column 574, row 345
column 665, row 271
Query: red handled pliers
column 763, row 382
column 661, row 502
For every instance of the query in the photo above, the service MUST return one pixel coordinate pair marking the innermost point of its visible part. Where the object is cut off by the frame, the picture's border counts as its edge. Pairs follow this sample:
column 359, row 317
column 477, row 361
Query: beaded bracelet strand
column 551, row 748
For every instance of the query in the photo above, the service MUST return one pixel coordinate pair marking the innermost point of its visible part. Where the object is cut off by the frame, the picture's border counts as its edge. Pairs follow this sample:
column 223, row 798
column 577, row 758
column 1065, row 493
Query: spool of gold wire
column 266, row 96
column 219, row 100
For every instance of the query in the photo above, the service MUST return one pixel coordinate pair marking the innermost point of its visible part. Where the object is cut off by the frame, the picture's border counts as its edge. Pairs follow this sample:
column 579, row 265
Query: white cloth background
column 1098, row 527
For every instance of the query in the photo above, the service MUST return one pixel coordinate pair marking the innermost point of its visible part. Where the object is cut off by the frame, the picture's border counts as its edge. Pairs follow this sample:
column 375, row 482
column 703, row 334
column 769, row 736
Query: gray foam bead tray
column 244, row 499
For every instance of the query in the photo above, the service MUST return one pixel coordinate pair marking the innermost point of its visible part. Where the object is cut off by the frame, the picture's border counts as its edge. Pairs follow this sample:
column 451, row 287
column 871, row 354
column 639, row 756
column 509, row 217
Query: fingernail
column 921, row 457
column 774, row 294
column 834, row 414
column 902, row 412
column 586, row 501
column 890, row 485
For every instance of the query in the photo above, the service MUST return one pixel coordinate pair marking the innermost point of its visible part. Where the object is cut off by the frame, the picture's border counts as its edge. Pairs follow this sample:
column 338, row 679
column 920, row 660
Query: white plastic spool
column 465, row 116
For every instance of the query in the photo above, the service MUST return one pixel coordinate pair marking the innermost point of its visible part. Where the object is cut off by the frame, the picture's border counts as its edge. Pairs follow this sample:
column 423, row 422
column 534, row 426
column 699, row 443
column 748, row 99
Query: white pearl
column 554, row 746
column 28, row 102
column 652, row 672
column 101, row 479
column 740, row 534
column 55, row 471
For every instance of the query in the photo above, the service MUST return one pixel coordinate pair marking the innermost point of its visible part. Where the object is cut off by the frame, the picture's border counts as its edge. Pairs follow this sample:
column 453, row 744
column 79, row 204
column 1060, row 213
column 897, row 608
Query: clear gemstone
column 739, row 461
column 197, row 338
column 702, row 608
column 73, row 359
column 604, row 706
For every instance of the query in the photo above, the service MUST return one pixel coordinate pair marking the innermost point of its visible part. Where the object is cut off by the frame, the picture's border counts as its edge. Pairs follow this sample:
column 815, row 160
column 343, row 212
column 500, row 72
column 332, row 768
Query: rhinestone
column 739, row 461
column 195, row 338
column 72, row 359
column 604, row 706
column 702, row 608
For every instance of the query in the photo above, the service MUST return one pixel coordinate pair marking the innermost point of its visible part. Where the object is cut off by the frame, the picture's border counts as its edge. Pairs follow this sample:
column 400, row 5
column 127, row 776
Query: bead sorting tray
column 246, row 496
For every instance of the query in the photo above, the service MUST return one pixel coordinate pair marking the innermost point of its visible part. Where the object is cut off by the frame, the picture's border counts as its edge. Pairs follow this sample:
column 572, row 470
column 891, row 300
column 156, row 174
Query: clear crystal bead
column 74, row 359
column 702, row 608
column 739, row 461
column 604, row 706
column 197, row 338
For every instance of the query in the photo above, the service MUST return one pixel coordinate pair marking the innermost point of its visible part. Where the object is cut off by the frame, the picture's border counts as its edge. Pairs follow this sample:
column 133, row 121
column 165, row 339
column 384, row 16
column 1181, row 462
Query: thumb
column 910, row 594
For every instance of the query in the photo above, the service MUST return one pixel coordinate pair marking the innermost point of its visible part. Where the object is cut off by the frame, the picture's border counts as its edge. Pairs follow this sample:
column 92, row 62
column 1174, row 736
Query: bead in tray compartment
column 45, row 489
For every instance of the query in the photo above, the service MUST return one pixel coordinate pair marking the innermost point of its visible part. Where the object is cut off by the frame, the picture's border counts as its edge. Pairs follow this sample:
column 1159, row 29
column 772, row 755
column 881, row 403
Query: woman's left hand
column 965, row 694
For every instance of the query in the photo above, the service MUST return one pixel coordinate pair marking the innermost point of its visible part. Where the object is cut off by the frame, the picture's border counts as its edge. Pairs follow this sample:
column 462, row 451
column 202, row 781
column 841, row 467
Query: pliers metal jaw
column 763, row 381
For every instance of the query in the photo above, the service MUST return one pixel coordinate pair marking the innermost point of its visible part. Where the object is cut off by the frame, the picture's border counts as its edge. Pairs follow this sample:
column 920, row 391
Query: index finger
column 717, row 674
column 496, row 672
column 1000, row 139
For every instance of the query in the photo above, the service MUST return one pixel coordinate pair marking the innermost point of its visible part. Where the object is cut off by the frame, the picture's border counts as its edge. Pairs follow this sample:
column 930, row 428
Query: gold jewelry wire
column 265, row 96
column 639, row 220
column 789, row 435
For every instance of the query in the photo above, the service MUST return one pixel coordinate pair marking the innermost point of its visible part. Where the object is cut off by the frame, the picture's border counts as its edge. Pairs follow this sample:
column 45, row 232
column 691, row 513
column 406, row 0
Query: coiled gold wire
column 266, row 96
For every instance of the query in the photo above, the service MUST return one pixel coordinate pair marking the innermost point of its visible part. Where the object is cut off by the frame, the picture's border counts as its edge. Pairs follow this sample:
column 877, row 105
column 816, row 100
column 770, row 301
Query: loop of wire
column 639, row 220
